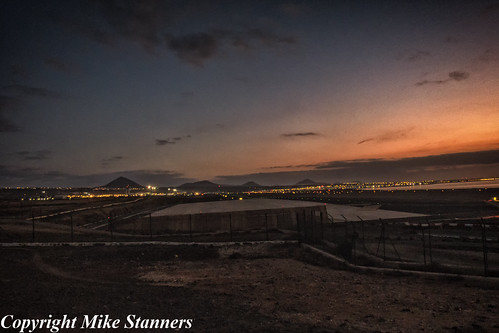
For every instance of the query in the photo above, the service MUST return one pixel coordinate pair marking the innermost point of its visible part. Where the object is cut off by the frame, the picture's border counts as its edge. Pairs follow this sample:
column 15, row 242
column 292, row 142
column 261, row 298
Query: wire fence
column 122, row 225
column 460, row 246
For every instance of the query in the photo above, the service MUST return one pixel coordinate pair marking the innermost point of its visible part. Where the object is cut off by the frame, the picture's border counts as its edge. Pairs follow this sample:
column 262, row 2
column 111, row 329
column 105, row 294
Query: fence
column 461, row 246
column 237, row 226
column 270, row 224
column 465, row 246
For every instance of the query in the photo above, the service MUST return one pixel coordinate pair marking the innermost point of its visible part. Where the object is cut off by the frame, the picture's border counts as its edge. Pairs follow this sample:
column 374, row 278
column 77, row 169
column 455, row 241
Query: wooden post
column 383, row 236
column 150, row 225
column 33, row 222
column 485, row 250
column 424, row 245
column 266, row 227
column 304, row 225
column 110, row 226
column 230, row 226
column 298, row 227
column 312, row 220
column 190, row 227
column 429, row 243
column 362, row 230
column 322, row 227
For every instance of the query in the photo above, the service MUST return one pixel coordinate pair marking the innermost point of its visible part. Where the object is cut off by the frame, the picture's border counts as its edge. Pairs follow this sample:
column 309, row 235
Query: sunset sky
column 166, row 92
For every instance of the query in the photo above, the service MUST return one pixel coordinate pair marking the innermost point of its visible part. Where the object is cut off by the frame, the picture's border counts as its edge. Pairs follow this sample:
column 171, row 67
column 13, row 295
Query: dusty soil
column 263, row 288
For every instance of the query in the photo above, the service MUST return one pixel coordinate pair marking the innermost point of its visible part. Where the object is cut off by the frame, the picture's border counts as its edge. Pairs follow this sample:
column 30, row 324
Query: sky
column 167, row 92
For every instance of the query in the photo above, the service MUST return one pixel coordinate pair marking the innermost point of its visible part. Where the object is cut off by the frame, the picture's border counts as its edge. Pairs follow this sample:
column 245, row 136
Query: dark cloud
column 24, row 90
column 7, row 105
column 453, row 160
column 137, row 21
column 413, row 56
column 300, row 134
column 162, row 142
column 453, row 76
column 279, row 167
column 268, row 37
column 110, row 160
column 153, row 24
column 60, row 65
column 388, row 136
column 252, row 38
column 18, row 176
column 445, row 166
column 178, row 138
column 195, row 48
column 171, row 141
column 34, row 155
column 290, row 166
column 459, row 75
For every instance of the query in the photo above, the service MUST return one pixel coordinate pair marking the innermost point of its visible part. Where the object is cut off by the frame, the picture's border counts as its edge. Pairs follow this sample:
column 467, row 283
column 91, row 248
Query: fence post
column 485, row 250
column 230, row 226
column 383, row 237
column 150, row 225
column 322, row 226
column 71, row 220
column 305, row 225
column 312, row 220
column 362, row 230
column 346, row 225
column 110, row 226
column 266, row 227
column 190, row 227
column 429, row 243
column 33, row 222
column 424, row 245
column 298, row 227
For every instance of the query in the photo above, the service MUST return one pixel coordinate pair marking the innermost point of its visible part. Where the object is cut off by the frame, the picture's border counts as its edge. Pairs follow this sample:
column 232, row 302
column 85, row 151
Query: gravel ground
column 251, row 288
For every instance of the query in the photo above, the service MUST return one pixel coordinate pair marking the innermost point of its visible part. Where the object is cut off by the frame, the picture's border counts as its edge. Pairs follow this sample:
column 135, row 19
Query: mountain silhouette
column 122, row 182
column 307, row 182
column 251, row 184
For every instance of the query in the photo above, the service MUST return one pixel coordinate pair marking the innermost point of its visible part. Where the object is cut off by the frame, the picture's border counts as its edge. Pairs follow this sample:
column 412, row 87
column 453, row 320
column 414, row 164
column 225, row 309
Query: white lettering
column 3, row 321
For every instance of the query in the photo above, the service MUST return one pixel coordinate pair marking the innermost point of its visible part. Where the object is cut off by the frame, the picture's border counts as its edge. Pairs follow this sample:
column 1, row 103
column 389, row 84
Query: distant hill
column 204, row 184
column 307, row 182
column 251, row 184
column 122, row 182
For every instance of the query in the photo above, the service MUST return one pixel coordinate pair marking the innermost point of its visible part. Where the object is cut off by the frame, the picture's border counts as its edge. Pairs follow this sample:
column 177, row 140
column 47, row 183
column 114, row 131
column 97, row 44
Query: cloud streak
column 388, row 136
column 29, row 91
column 453, row 76
column 444, row 166
column 300, row 134
column 414, row 56
column 18, row 176
column 194, row 48
column 34, row 155
column 171, row 141
column 111, row 160
column 153, row 24
column 164, row 142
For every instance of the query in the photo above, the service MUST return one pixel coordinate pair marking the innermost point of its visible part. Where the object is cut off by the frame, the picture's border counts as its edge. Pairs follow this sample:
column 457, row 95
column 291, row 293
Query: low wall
column 268, row 219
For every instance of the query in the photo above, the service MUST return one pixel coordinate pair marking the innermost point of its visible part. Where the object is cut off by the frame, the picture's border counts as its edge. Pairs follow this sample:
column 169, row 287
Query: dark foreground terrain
column 250, row 288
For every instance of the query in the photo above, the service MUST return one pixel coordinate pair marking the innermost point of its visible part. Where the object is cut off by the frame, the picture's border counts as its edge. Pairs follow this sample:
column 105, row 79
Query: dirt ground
column 246, row 288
